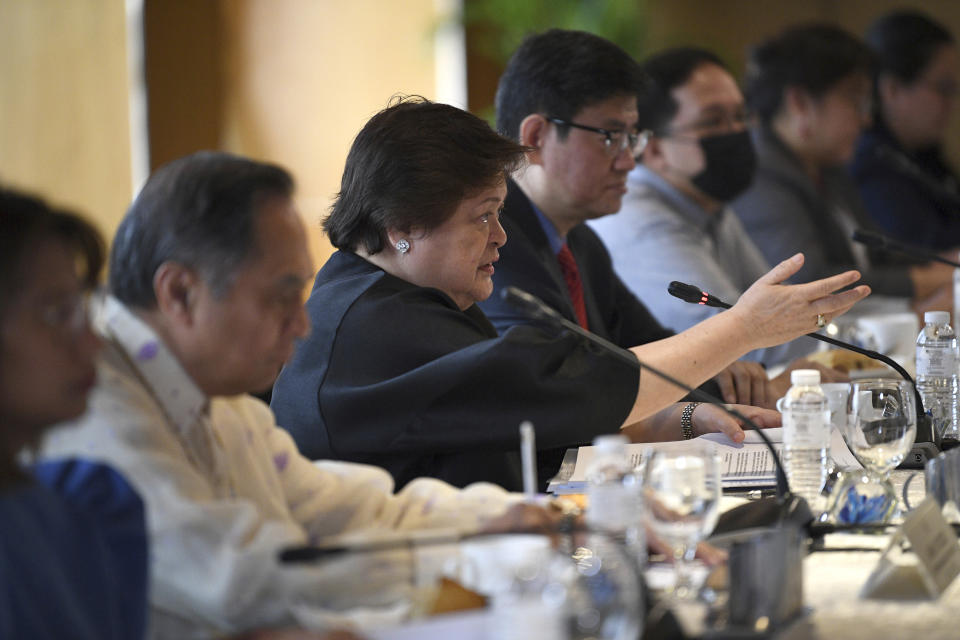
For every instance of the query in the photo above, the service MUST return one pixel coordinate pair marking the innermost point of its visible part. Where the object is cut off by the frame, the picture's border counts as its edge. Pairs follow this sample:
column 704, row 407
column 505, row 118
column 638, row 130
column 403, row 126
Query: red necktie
column 574, row 285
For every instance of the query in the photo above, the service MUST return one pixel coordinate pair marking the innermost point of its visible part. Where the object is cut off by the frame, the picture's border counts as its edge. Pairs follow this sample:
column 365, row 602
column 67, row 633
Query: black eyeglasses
column 614, row 141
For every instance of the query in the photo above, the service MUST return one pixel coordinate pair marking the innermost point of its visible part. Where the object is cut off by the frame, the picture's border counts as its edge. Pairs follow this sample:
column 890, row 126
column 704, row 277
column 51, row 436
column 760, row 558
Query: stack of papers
column 742, row 465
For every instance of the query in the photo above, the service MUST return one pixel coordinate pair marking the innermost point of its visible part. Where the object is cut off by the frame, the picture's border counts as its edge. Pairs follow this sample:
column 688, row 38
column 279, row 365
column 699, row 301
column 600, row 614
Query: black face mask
column 730, row 165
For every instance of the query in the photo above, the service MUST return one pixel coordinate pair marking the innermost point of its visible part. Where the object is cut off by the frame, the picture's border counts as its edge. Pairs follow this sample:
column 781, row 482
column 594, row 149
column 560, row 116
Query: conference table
column 831, row 585
column 833, row 577
column 833, row 608
column 832, row 581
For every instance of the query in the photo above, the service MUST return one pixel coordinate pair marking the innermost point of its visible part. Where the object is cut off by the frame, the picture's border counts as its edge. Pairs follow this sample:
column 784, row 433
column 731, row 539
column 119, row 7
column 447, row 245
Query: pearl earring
column 402, row 245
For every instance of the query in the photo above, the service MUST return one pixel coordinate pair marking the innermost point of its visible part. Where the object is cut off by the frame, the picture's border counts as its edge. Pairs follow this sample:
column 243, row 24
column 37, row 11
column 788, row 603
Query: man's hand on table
column 706, row 553
column 527, row 518
column 745, row 383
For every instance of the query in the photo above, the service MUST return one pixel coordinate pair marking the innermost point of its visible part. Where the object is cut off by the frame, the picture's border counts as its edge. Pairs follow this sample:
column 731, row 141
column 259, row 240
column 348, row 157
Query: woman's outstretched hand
column 773, row 313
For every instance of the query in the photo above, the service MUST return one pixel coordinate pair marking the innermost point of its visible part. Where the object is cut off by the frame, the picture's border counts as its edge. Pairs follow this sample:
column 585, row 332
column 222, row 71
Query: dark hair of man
column 25, row 223
column 665, row 72
column 410, row 167
column 199, row 211
column 557, row 73
column 812, row 57
column 904, row 42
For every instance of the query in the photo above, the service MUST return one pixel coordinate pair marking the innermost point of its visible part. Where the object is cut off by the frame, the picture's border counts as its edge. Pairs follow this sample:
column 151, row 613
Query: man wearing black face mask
column 572, row 98
column 675, row 223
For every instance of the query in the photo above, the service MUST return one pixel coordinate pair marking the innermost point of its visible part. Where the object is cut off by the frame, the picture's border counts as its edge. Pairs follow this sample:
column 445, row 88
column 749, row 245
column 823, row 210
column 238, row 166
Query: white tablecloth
column 831, row 585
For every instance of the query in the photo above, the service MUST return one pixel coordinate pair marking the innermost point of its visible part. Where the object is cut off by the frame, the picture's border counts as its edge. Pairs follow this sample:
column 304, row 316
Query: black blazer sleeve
column 460, row 390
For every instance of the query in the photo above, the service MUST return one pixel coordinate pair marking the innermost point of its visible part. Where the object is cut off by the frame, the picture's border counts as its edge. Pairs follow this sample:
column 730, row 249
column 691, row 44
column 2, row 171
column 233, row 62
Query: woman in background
column 810, row 90
column 910, row 190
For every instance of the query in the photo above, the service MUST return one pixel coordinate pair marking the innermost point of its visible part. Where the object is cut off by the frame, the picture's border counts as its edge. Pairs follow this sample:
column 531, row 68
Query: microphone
column 297, row 555
column 537, row 309
column 414, row 540
column 883, row 243
column 690, row 293
column 925, row 446
column 789, row 507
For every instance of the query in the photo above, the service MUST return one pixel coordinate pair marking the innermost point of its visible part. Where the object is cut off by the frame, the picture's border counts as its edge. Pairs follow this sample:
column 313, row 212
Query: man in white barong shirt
column 208, row 271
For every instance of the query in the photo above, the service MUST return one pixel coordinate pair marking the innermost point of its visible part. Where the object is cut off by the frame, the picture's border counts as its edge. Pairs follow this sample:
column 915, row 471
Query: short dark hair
column 200, row 211
column 26, row 222
column 557, row 73
column 666, row 71
column 904, row 42
column 410, row 166
column 813, row 57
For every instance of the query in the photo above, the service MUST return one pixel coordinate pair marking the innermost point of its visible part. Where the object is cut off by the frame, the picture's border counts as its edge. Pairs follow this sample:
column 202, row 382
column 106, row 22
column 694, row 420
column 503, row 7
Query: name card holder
column 927, row 569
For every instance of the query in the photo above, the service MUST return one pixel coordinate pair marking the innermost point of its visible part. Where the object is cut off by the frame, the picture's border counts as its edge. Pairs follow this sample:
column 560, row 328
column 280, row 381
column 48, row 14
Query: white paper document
column 747, row 464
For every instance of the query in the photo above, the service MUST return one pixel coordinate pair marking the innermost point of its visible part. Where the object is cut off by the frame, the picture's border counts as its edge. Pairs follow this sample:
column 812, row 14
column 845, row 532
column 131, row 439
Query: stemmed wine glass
column 682, row 489
column 880, row 429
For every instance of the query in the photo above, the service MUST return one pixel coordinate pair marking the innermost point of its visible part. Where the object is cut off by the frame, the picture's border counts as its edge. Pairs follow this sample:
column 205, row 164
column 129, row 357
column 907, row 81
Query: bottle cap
column 609, row 443
column 936, row 317
column 805, row 377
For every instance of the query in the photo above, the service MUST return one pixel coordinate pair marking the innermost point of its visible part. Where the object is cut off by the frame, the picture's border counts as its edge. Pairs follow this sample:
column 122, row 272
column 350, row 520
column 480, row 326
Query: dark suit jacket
column 527, row 261
column 396, row 375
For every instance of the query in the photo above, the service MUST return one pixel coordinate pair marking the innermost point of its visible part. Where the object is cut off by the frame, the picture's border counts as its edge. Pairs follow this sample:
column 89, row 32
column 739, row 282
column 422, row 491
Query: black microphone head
column 869, row 239
column 695, row 295
column 520, row 298
column 686, row 292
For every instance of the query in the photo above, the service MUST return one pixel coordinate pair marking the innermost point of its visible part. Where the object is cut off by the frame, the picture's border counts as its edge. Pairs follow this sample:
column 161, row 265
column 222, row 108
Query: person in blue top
column 909, row 188
column 73, row 549
column 73, row 546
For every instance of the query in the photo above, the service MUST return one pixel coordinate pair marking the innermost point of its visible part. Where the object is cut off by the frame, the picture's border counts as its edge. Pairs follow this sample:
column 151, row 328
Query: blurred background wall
column 64, row 104
column 94, row 93
column 287, row 81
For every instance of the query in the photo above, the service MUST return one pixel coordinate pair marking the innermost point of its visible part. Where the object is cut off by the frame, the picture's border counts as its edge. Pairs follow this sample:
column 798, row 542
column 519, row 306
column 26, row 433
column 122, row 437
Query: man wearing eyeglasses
column 572, row 98
column 675, row 223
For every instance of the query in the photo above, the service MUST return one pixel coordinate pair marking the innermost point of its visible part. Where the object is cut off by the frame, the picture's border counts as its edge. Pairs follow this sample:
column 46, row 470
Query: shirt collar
column 678, row 201
column 555, row 239
column 180, row 397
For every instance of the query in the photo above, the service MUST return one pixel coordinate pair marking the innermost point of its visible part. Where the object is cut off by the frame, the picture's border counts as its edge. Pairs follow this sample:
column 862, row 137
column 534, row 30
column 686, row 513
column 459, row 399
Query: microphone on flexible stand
column 692, row 294
column 925, row 446
column 788, row 507
column 883, row 243
column 413, row 540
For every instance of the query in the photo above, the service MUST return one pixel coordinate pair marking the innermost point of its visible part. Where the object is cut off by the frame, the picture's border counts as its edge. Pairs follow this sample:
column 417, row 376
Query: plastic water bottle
column 614, row 498
column 937, row 360
column 956, row 289
column 806, row 435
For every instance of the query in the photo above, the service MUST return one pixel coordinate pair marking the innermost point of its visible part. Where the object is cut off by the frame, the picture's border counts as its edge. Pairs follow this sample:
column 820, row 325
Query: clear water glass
column 682, row 490
column 881, row 428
